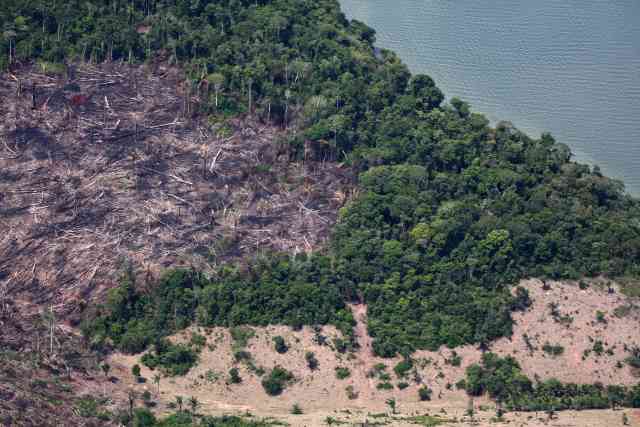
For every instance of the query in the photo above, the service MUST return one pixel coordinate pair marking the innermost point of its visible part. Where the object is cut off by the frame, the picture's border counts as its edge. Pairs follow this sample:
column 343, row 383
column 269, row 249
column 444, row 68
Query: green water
column 565, row 66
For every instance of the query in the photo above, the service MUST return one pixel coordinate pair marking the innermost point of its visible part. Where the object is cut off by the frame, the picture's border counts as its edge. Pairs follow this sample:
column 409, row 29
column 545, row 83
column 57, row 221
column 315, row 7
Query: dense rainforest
column 451, row 212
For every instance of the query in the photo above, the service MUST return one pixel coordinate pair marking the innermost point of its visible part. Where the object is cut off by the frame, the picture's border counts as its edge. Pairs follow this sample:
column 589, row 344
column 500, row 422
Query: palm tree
column 10, row 35
column 105, row 368
column 194, row 404
column 156, row 380
column 132, row 400
column 217, row 80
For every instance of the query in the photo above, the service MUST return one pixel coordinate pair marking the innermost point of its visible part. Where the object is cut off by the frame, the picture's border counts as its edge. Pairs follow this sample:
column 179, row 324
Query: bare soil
column 113, row 165
column 320, row 394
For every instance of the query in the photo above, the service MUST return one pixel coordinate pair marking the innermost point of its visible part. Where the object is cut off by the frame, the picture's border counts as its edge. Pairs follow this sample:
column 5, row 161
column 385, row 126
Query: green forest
column 451, row 211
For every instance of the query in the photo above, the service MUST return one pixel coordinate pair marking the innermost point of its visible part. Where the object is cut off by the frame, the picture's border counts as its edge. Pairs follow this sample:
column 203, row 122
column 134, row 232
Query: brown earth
column 113, row 165
column 320, row 394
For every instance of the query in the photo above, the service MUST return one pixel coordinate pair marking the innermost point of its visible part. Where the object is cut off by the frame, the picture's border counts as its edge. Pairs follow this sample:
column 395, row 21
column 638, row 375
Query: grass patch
column 427, row 420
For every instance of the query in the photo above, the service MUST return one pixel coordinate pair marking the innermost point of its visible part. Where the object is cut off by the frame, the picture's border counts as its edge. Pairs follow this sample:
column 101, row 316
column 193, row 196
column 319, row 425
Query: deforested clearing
column 358, row 397
column 109, row 166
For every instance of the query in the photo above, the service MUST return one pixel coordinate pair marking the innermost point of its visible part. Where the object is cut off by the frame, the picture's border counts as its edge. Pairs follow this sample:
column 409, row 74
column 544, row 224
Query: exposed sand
column 320, row 394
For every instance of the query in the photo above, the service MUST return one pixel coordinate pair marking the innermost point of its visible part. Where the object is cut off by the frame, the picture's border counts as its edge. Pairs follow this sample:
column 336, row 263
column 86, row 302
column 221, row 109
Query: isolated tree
column 10, row 36
column 234, row 376
column 50, row 319
column 312, row 362
column 280, row 344
column 217, row 81
column 135, row 370
column 156, row 380
column 105, row 368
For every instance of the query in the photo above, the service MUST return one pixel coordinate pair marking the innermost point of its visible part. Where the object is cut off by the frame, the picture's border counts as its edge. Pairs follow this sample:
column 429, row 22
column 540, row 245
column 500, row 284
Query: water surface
column 571, row 67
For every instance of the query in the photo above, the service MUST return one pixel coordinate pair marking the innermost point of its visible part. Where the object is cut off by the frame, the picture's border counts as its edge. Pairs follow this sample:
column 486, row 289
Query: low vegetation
column 277, row 380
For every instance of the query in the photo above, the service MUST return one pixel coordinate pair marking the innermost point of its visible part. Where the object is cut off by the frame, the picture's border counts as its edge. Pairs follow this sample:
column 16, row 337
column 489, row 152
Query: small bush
column 277, row 380
column 634, row 359
column 241, row 356
column 402, row 385
column 296, row 409
column 521, row 301
column 198, row 340
column 622, row 311
column 340, row 345
column 172, row 359
column 87, row 407
column 600, row 317
column 403, row 367
column 352, row 394
column 342, row 372
column 598, row 347
column 241, row 336
column 425, row 393
column 553, row 350
column 384, row 386
column 454, row 360
column 135, row 370
column 312, row 362
column 280, row 344
column 234, row 376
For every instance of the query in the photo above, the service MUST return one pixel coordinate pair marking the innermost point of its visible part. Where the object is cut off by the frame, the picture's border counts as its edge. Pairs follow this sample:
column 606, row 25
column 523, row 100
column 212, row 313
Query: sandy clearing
column 320, row 394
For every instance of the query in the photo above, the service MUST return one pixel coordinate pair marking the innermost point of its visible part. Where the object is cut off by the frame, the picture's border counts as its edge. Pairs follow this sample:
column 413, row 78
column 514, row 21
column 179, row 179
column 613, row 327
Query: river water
column 570, row 67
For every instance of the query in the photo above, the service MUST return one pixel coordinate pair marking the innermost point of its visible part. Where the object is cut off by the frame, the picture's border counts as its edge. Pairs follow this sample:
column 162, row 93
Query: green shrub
column 503, row 380
column 634, row 358
column 135, row 370
column 277, row 380
column 425, row 393
column 342, row 372
column 312, row 362
column 241, row 336
column 384, row 386
column 403, row 367
column 234, row 376
column 598, row 347
column 242, row 356
column 143, row 417
column 87, row 407
column 402, row 385
column 454, row 360
column 280, row 344
column 553, row 350
column 172, row 359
